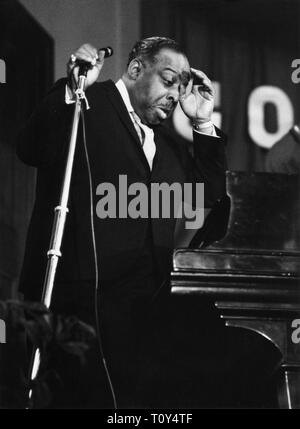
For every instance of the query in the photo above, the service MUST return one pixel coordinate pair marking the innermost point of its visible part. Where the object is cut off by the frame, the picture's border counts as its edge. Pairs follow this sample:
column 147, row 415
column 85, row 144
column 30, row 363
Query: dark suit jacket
column 126, row 247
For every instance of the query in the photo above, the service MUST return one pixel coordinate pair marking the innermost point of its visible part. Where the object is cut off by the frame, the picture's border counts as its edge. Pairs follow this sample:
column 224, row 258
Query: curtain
column 26, row 50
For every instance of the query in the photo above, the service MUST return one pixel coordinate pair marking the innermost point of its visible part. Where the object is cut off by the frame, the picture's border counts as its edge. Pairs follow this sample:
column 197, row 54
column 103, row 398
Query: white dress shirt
column 145, row 133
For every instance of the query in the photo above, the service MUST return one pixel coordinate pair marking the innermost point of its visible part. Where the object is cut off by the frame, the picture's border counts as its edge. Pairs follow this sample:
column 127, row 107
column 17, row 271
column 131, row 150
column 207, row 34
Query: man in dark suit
column 122, row 136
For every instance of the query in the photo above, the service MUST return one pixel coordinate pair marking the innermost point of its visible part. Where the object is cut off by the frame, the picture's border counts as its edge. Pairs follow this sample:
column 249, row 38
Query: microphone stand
column 61, row 211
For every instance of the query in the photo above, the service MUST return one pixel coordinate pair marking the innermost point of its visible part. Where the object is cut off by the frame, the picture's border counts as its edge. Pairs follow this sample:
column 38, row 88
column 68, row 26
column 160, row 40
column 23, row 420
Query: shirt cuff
column 213, row 133
column 68, row 98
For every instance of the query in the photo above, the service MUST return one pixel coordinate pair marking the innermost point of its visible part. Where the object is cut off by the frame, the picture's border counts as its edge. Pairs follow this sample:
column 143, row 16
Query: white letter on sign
column 285, row 114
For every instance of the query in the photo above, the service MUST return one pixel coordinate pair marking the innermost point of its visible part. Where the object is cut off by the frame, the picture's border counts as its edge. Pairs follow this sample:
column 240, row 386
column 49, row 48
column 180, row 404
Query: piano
column 246, row 259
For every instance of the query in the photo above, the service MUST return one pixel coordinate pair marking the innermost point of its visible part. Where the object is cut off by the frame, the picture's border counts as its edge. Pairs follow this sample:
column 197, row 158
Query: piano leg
column 275, row 322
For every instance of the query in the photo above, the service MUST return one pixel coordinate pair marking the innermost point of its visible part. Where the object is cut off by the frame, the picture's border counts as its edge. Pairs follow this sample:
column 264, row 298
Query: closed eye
column 168, row 82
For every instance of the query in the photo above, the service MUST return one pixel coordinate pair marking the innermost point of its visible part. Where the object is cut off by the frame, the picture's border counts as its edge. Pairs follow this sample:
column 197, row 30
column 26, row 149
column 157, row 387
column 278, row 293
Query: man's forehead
column 174, row 62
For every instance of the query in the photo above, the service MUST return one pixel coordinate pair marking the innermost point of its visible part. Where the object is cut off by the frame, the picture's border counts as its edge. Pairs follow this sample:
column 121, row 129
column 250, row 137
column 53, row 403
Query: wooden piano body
column 252, row 272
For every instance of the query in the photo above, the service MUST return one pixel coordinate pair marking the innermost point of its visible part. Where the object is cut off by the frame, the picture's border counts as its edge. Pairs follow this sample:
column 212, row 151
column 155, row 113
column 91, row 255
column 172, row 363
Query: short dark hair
column 146, row 49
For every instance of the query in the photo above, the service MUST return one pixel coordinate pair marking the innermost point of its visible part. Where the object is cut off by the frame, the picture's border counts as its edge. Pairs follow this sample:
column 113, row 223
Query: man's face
column 156, row 90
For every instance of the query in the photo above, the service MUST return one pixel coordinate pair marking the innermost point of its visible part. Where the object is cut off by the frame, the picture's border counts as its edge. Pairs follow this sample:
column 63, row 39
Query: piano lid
column 261, row 211
column 253, row 231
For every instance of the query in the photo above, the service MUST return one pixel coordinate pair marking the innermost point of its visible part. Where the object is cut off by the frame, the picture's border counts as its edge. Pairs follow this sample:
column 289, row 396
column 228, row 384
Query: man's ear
column 134, row 69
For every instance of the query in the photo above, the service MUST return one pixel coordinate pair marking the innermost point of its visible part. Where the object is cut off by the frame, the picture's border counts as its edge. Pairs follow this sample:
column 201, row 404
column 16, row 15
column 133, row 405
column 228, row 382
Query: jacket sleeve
column 209, row 165
column 44, row 137
column 204, row 161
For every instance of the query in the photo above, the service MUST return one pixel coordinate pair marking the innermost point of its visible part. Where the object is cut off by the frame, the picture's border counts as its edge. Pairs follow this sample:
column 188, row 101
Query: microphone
column 85, row 66
column 108, row 51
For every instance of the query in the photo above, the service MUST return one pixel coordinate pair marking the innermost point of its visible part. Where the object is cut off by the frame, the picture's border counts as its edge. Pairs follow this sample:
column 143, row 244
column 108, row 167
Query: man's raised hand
column 89, row 54
column 198, row 101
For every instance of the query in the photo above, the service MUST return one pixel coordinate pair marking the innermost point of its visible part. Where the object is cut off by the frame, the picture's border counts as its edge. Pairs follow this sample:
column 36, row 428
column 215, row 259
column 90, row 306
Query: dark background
column 28, row 53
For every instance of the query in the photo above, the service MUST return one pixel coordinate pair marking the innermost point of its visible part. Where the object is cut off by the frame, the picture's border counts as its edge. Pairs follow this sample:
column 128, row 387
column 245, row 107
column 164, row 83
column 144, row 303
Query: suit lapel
column 117, row 101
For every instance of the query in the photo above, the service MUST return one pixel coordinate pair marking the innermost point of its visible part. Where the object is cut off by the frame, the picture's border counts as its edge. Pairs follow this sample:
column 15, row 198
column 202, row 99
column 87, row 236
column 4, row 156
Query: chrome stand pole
column 61, row 211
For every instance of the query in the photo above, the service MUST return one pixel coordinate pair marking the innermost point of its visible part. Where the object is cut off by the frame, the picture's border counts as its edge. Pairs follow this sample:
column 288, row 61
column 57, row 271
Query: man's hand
column 198, row 102
column 91, row 55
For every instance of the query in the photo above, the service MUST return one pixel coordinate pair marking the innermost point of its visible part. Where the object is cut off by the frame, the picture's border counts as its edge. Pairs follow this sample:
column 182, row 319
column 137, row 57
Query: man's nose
column 173, row 94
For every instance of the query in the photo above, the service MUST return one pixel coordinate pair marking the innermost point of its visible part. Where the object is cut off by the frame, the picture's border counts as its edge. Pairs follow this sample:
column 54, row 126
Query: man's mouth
column 163, row 112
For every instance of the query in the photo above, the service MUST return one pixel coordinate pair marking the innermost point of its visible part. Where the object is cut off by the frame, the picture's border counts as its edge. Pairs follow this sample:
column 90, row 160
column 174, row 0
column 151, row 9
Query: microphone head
column 108, row 51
